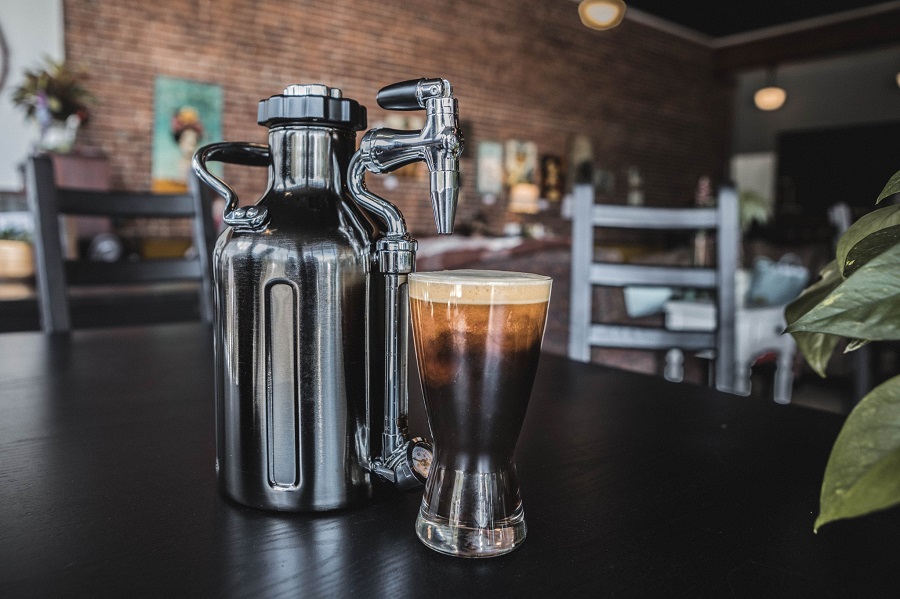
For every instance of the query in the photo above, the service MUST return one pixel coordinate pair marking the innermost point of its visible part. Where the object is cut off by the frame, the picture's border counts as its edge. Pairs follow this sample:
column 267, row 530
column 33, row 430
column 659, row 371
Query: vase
column 59, row 136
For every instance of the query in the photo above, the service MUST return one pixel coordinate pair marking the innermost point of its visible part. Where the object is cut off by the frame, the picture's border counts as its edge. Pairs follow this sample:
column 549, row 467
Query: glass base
column 467, row 541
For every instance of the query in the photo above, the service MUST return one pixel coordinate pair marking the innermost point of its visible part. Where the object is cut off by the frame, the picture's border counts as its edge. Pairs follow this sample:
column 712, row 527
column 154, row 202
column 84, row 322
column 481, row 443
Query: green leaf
column 869, row 247
column 868, row 237
column 815, row 347
column 855, row 344
column 892, row 187
column 863, row 472
column 866, row 305
column 829, row 279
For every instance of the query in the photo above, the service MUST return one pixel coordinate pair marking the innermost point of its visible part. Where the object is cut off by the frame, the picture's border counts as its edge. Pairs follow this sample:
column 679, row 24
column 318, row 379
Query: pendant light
column 601, row 14
column 772, row 96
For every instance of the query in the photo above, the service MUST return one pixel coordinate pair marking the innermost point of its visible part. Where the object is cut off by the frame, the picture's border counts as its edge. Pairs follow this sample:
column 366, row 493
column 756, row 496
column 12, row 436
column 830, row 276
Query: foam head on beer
column 484, row 287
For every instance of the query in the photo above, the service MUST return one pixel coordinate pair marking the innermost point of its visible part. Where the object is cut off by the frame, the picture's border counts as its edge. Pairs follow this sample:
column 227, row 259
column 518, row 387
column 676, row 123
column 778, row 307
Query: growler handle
column 247, row 154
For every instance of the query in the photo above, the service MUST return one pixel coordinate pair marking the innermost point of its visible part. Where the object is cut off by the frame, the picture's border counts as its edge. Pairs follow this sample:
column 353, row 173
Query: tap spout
column 439, row 143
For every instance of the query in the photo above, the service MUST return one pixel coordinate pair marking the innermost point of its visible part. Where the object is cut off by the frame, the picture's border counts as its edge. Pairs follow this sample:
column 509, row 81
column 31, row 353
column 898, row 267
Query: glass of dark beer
column 477, row 335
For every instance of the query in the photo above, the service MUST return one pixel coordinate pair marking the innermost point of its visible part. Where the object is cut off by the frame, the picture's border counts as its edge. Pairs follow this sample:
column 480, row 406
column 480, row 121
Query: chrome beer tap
column 438, row 144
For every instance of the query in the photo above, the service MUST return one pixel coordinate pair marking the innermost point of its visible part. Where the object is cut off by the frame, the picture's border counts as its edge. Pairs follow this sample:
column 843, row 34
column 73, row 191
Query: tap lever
column 412, row 94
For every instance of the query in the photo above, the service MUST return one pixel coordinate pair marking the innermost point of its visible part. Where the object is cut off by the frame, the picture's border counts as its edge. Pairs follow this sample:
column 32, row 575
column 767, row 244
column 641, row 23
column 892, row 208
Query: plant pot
column 16, row 259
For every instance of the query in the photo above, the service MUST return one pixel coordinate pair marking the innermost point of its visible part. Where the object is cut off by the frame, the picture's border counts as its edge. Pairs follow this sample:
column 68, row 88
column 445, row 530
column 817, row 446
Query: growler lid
column 313, row 103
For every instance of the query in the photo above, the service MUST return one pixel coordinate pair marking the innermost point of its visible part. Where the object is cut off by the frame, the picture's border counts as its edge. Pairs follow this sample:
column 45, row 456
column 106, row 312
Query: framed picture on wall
column 489, row 170
column 552, row 178
column 186, row 115
column 521, row 162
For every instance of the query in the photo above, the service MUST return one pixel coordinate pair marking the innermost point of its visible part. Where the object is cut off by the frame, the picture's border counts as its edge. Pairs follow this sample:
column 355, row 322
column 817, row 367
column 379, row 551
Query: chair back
column 721, row 220
column 55, row 274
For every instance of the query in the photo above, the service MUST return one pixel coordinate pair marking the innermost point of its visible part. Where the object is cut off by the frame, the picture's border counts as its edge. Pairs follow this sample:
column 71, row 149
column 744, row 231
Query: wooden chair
column 586, row 273
column 55, row 274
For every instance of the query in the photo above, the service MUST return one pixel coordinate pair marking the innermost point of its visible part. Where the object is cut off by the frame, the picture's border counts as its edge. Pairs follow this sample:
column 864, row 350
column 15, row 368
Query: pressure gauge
column 410, row 473
column 420, row 456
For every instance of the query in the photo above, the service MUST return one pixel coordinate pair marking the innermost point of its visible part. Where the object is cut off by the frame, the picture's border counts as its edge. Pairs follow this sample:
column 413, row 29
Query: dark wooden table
column 632, row 486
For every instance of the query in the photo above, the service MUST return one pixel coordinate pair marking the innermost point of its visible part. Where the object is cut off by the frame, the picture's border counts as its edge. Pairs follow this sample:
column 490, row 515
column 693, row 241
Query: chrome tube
column 438, row 144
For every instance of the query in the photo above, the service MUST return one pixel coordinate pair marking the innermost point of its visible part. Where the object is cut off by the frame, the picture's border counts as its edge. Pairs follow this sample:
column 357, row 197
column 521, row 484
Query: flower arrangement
column 54, row 92
column 55, row 97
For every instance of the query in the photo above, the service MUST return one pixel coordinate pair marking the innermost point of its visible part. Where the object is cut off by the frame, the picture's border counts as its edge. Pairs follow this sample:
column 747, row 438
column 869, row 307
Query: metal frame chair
column 55, row 274
column 586, row 273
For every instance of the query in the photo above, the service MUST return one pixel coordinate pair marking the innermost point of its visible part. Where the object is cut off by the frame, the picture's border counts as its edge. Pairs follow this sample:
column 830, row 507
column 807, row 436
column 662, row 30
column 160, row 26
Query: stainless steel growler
column 311, row 299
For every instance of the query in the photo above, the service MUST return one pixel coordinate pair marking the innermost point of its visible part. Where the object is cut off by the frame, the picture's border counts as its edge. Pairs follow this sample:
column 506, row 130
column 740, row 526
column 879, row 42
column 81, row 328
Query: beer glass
column 477, row 336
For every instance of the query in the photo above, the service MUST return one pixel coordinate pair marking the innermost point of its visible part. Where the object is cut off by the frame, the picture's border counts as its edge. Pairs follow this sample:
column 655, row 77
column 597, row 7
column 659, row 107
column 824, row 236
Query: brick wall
column 526, row 70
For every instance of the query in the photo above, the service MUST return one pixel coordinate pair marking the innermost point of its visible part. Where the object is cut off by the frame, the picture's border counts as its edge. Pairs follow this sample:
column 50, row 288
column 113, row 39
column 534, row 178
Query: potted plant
column 858, row 297
column 16, row 256
column 54, row 96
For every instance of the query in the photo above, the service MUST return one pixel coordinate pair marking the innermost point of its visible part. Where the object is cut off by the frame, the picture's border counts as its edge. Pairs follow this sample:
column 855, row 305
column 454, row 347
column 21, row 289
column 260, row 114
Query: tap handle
column 412, row 94
column 400, row 96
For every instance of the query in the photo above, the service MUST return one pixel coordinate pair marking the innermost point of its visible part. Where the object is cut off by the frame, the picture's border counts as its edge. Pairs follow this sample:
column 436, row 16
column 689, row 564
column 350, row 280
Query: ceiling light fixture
column 601, row 14
column 772, row 96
